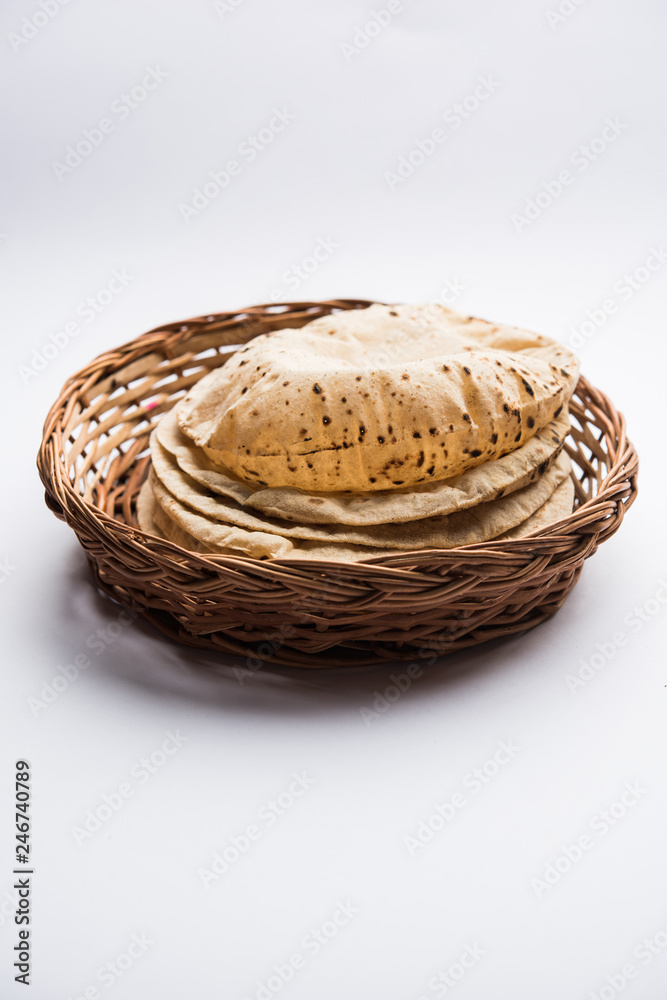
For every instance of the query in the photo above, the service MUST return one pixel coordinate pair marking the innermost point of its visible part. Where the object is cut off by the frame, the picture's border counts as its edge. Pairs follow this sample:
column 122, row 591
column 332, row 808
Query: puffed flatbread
column 376, row 398
column 479, row 485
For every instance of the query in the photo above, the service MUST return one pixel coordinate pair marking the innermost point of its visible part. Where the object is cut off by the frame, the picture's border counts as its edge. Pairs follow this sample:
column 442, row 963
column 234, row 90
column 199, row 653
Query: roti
column 479, row 485
column 219, row 525
column 379, row 398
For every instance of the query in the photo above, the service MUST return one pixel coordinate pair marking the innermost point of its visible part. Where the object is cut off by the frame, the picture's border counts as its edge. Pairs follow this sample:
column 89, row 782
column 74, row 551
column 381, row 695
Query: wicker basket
column 94, row 457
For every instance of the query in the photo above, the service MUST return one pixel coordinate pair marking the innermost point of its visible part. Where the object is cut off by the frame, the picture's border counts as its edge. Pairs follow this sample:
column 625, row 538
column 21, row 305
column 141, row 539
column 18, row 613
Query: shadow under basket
column 94, row 457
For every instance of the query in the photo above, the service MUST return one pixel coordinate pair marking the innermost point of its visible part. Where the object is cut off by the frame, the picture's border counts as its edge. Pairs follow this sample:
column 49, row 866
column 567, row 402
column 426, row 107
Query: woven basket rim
column 623, row 469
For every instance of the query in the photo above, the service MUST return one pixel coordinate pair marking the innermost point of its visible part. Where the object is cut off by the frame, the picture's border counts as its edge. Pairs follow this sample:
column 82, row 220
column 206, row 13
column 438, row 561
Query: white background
column 374, row 780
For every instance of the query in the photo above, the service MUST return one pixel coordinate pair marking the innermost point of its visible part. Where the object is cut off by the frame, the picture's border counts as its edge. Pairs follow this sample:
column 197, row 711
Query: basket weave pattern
column 94, row 457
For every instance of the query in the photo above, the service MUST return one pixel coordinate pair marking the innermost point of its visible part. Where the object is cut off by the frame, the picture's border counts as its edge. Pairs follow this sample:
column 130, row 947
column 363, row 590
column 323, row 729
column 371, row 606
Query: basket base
column 311, row 647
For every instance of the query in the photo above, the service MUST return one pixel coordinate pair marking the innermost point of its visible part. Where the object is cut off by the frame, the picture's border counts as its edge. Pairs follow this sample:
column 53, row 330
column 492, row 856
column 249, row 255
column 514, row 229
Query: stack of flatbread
column 367, row 432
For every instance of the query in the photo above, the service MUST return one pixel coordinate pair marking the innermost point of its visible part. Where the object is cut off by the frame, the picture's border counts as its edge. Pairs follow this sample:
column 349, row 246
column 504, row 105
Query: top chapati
column 377, row 398
column 397, row 506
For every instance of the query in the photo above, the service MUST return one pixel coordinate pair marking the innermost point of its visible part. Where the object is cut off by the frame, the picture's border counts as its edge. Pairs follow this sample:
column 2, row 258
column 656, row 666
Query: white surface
column 323, row 177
